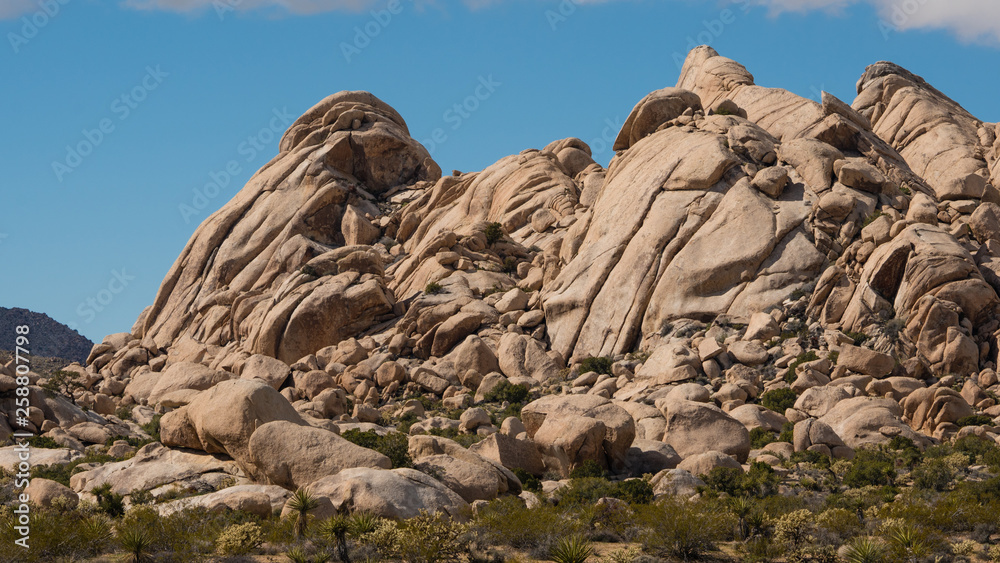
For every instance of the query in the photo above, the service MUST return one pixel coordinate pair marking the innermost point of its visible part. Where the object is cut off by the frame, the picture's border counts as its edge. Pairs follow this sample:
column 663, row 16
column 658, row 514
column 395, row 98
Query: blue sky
column 116, row 112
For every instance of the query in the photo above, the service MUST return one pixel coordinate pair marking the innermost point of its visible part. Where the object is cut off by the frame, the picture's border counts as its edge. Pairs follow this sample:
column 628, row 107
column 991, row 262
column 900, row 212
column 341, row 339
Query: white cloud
column 10, row 9
column 970, row 20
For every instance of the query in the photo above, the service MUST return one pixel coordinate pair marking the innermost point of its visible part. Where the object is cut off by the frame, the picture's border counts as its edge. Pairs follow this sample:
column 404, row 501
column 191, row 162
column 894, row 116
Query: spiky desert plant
column 136, row 541
column 335, row 530
column 865, row 550
column 571, row 549
column 302, row 503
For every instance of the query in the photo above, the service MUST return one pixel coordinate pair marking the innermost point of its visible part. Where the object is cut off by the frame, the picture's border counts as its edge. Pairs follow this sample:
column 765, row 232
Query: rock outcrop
column 746, row 251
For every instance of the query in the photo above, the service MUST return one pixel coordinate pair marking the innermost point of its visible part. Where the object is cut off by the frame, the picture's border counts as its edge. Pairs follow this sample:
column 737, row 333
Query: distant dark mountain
column 47, row 337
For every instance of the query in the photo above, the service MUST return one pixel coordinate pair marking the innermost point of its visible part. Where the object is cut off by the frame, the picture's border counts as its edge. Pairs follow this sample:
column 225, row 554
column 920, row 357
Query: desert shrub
column 584, row 491
column 934, row 474
column 965, row 548
column 907, row 453
column 975, row 420
column 124, row 412
column 759, row 481
column 509, row 265
column 153, row 428
column 599, row 364
column 430, row 538
column 571, row 549
column 778, row 400
column 589, row 468
column 433, row 288
column 678, row 528
column 108, row 501
column 62, row 472
column 393, row 445
column 528, row 481
column 787, row 433
column 839, row 521
column 794, row 529
column 56, row 535
column 801, row 359
column 240, row 539
column 760, row 437
column 140, row 496
column 507, row 391
column 506, row 521
column 494, row 233
column 977, row 450
column 42, row 442
column 870, row 468
column 634, row 491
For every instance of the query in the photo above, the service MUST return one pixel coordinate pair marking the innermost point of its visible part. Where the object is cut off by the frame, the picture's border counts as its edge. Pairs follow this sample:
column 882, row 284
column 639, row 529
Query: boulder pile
column 750, row 263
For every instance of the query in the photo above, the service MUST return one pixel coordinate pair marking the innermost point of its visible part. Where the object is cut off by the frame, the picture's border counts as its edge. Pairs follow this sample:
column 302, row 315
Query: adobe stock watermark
column 220, row 179
column 461, row 111
column 364, row 35
column 122, row 107
column 91, row 306
column 713, row 29
column 33, row 24
column 899, row 15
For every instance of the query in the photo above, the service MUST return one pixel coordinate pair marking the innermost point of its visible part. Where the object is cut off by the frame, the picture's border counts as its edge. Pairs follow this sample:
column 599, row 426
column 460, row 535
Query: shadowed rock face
column 239, row 277
column 952, row 150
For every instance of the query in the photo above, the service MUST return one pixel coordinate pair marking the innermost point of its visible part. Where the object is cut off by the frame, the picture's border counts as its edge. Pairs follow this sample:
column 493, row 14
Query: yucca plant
column 136, row 541
column 743, row 508
column 335, row 530
column 908, row 543
column 297, row 555
column 363, row 523
column 302, row 503
column 865, row 550
column 572, row 549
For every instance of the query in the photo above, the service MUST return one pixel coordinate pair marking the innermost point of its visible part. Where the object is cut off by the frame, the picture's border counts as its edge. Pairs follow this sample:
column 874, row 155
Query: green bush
column 153, row 428
column 778, row 400
column 507, row 522
column 760, row 481
column 933, row 475
column 506, row 391
column 240, row 539
column 494, row 233
column 42, row 442
column 393, row 445
column 109, row 502
column 431, row 538
column 589, row 468
column 680, row 528
column 528, row 481
column 62, row 472
column 787, row 433
column 804, row 357
column 760, row 437
column 634, row 491
column 600, row 364
column 870, row 468
column 975, row 420
column 433, row 288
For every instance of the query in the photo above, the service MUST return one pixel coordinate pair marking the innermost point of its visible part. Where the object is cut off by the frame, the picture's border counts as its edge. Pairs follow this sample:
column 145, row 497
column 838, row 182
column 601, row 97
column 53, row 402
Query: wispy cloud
column 10, row 9
column 969, row 20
